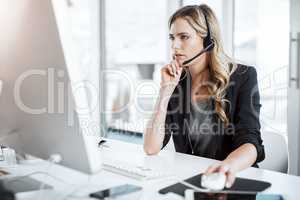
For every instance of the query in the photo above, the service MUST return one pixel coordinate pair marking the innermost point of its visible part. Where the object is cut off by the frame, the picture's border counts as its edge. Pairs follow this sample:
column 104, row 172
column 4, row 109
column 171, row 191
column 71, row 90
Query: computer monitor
column 43, row 97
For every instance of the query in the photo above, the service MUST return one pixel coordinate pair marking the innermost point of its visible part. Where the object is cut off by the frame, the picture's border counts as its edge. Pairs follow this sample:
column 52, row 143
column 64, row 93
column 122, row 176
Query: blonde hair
column 221, row 66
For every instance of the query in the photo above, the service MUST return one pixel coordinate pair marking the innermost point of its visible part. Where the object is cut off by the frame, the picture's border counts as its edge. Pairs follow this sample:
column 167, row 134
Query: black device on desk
column 231, row 196
column 115, row 191
column 6, row 194
column 240, row 184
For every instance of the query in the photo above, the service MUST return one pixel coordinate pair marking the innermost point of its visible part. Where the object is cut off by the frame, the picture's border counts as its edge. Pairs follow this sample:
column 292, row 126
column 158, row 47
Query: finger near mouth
column 180, row 56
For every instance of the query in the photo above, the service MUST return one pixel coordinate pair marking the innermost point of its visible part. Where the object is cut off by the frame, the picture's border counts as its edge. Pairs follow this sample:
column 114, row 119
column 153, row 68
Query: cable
column 188, row 184
column 198, row 189
column 77, row 189
column 80, row 187
column 64, row 196
column 55, row 158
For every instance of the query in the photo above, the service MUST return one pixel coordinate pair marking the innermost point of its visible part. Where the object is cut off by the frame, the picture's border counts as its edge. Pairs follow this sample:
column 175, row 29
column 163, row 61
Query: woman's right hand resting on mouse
column 236, row 161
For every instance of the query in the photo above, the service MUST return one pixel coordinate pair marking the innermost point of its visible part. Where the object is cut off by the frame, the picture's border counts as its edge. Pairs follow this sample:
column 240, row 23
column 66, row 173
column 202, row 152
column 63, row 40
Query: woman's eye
column 171, row 38
column 184, row 37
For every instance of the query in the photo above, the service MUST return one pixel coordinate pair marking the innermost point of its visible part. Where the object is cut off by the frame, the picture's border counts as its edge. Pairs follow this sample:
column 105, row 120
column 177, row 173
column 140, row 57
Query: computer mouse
column 213, row 181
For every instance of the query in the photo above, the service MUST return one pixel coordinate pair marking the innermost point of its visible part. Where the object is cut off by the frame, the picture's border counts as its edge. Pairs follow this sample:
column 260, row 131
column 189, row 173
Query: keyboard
column 133, row 171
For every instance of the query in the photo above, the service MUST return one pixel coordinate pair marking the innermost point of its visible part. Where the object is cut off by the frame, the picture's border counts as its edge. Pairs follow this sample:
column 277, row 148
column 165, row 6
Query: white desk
column 182, row 165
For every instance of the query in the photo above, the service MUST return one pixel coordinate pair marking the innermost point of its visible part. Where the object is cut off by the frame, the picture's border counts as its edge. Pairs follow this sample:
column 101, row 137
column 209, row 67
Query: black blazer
column 242, row 111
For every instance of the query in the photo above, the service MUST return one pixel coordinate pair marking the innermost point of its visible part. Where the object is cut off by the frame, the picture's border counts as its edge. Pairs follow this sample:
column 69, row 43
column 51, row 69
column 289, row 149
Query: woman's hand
column 155, row 132
column 170, row 75
column 240, row 159
column 225, row 168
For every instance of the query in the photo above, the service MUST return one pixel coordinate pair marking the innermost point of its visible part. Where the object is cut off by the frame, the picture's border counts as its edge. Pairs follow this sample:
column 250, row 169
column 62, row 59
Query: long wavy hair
column 221, row 66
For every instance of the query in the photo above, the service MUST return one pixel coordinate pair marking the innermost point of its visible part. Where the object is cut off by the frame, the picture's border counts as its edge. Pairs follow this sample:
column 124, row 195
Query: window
column 216, row 5
column 136, row 48
column 261, row 32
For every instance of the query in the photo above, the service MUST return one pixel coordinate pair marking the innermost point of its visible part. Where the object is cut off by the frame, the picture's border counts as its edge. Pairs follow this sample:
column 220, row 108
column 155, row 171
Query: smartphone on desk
column 227, row 195
column 115, row 191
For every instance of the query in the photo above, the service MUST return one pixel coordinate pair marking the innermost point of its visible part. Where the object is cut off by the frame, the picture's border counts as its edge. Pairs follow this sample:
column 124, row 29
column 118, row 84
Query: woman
column 209, row 106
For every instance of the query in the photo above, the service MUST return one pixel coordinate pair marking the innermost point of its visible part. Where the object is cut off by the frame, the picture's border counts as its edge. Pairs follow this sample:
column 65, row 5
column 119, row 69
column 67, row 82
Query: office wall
column 28, row 40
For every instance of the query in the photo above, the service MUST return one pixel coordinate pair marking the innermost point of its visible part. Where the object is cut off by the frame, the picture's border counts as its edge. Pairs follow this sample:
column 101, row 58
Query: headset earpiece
column 208, row 42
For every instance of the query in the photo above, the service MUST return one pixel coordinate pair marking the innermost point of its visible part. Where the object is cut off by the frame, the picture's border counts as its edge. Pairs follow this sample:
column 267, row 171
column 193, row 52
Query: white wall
column 29, row 39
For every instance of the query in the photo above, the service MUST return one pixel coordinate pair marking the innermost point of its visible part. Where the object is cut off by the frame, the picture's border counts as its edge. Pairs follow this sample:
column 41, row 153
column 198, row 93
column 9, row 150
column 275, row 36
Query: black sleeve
column 168, row 131
column 246, row 118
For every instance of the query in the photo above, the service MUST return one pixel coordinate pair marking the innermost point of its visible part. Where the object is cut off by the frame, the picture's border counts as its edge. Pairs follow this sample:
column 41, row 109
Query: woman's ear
column 201, row 38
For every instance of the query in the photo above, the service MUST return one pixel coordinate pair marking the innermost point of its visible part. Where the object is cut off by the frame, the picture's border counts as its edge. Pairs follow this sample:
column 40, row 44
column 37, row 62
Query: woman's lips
column 180, row 56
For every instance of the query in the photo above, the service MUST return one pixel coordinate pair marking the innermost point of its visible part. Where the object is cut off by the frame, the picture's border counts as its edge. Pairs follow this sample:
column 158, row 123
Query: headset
column 208, row 43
